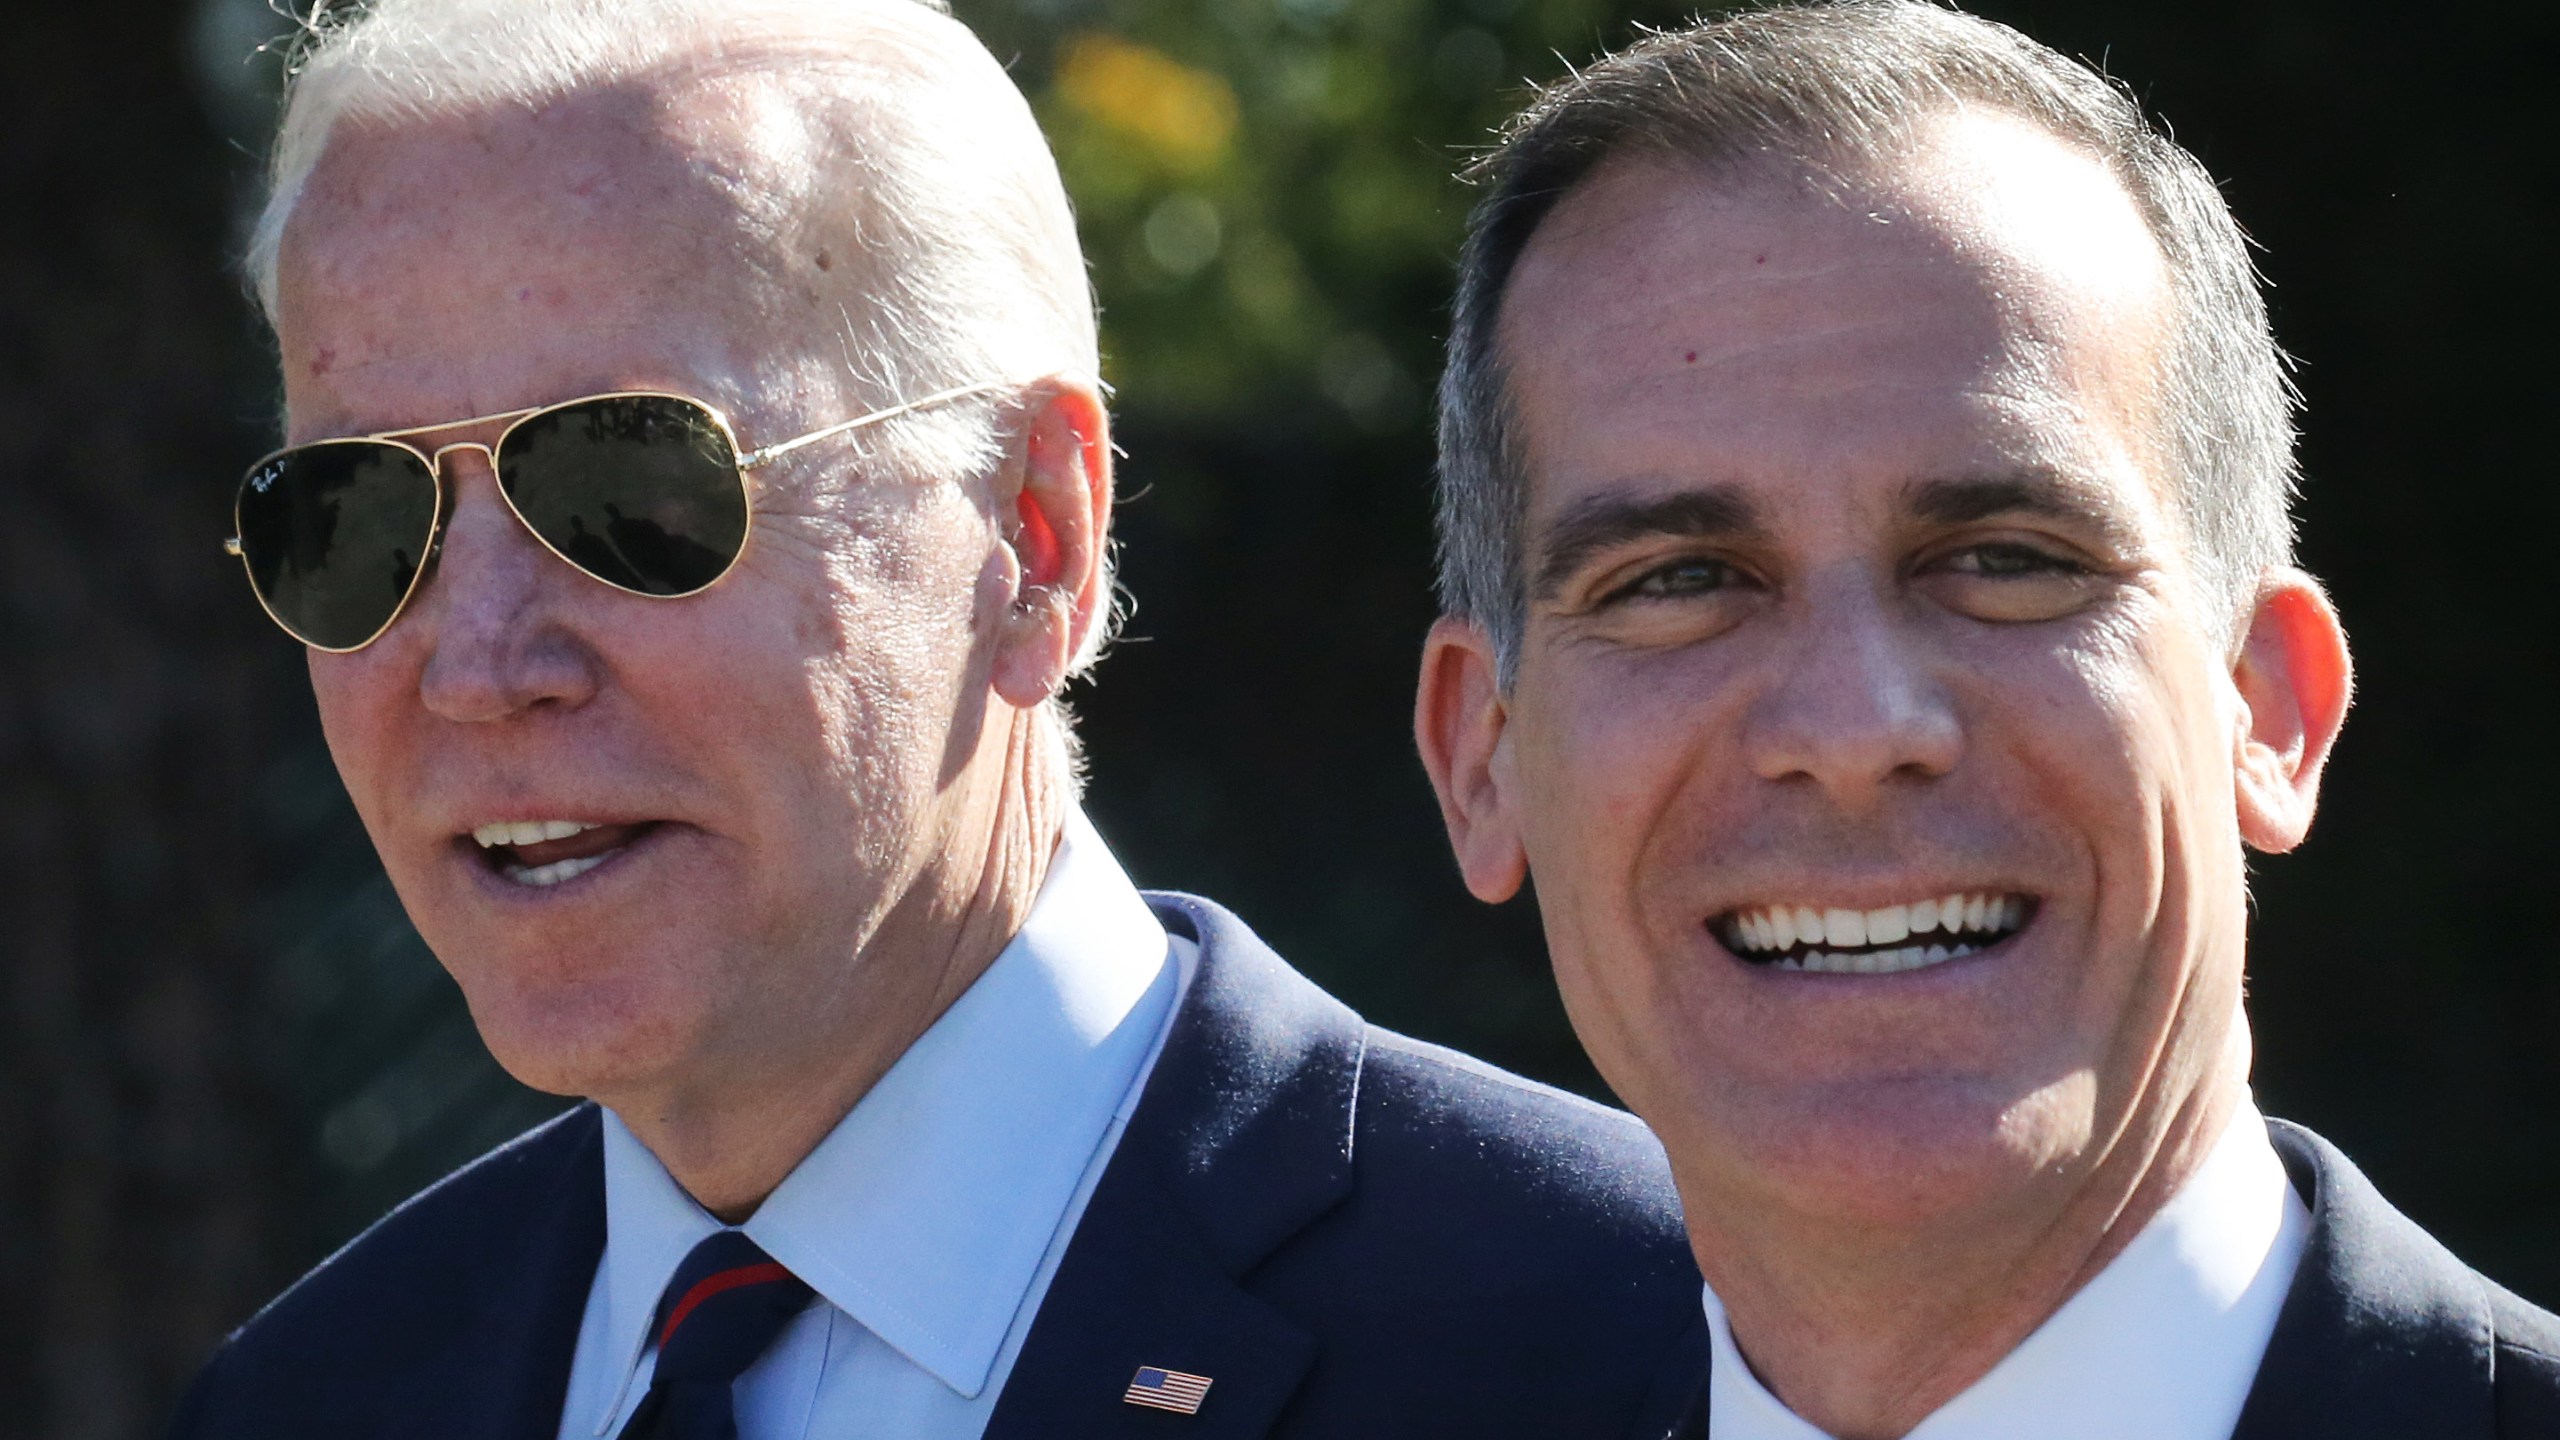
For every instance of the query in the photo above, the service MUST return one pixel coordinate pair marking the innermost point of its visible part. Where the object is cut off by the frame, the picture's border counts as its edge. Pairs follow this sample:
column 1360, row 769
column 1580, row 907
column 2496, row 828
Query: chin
column 589, row 1034
column 1902, row 1154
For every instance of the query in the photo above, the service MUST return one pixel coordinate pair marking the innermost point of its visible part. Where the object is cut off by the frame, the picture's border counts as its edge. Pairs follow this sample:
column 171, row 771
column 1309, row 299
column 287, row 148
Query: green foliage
column 1265, row 188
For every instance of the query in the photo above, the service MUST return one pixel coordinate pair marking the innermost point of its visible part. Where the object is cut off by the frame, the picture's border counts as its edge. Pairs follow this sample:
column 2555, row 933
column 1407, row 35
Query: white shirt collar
column 925, row 1213
column 2162, row 1345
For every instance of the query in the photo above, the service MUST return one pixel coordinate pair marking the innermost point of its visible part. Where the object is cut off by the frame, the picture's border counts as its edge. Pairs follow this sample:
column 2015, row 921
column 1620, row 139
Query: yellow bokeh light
column 1186, row 117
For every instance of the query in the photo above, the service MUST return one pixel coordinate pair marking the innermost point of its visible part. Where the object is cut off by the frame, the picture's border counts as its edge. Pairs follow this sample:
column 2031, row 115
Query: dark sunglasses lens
column 640, row 491
column 334, row 534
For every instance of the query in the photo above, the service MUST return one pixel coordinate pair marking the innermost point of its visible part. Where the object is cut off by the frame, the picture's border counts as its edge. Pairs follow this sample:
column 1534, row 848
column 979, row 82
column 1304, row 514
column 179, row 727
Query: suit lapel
column 1677, row 1407
column 2384, row 1334
column 504, row 1370
column 1243, row 1137
column 1138, row 1289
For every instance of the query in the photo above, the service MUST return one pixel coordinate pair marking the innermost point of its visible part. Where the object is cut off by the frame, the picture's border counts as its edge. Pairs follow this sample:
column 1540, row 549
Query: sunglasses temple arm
column 770, row 453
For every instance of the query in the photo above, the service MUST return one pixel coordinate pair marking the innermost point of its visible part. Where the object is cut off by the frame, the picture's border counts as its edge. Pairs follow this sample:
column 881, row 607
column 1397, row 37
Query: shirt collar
column 925, row 1213
column 2161, row 1345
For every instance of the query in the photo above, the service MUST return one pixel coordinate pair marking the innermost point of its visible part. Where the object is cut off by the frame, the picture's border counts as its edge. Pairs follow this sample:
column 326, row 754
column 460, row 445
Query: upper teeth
column 1783, row 927
column 527, row 832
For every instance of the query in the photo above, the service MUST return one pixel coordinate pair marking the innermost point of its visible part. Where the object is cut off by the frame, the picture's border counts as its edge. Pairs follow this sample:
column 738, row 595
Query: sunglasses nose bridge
column 488, row 454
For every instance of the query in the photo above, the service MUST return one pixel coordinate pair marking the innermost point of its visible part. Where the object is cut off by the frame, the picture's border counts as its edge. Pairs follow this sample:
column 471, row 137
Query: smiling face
column 648, row 837
column 1873, row 758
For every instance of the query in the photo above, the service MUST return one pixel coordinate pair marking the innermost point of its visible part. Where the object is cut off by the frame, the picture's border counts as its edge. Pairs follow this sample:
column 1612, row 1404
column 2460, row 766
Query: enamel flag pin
column 1162, row 1389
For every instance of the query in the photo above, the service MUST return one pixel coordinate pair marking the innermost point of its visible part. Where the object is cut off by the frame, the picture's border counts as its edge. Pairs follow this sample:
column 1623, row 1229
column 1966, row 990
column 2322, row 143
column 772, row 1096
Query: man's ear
column 1055, row 522
column 1458, row 717
column 2294, row 679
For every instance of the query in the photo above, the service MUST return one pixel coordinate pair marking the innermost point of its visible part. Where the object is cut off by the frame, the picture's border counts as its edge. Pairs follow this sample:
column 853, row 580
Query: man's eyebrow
column 2034, row 490
column 1600, row 522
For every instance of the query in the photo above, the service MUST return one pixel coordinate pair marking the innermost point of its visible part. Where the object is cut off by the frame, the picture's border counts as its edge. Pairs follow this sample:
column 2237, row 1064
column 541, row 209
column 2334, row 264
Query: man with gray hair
column 696, row 498
column 1870, row 616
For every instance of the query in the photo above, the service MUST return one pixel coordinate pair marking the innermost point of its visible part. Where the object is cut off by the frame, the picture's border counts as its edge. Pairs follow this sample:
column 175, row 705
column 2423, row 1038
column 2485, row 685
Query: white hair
column 915, row 155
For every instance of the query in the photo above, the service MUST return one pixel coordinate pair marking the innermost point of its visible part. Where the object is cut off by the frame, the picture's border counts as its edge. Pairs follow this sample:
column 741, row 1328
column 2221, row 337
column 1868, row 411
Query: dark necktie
column 724, row 1306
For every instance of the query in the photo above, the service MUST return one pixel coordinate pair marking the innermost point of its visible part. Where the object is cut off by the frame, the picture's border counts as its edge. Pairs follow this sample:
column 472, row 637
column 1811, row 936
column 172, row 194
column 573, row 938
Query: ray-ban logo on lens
column 264, row 478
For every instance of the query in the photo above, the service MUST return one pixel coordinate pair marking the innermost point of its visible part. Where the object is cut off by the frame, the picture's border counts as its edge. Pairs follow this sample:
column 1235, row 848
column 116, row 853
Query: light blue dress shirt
column 931, row 1219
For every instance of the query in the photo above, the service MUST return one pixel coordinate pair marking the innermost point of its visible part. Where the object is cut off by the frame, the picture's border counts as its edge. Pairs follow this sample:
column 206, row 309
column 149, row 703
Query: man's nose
column 497, row 643
column 1857, row 705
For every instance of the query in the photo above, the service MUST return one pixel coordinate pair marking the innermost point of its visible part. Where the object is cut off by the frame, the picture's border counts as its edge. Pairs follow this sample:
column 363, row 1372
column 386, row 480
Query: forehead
column 1990, row 300
column 485, row 261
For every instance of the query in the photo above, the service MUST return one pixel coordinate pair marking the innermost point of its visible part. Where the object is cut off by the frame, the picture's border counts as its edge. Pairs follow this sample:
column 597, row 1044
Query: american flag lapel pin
column 1160, row 1389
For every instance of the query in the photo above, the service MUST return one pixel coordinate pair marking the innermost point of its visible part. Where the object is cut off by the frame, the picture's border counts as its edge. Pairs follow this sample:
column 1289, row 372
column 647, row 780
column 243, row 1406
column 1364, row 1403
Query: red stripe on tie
column 712, row 1284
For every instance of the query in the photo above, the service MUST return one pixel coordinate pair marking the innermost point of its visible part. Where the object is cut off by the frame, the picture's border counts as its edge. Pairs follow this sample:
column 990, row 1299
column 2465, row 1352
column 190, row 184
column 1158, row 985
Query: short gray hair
column 1852, row 81
column 974, row 269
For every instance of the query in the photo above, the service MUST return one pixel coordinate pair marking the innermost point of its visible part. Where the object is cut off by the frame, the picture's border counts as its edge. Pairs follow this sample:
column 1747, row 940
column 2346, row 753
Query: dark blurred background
column 222, row 1052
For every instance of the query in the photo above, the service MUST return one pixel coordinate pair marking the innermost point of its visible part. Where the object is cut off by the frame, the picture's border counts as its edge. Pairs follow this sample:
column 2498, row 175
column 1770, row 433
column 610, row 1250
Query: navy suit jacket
column 2384, row 1335
column 1352, row 1233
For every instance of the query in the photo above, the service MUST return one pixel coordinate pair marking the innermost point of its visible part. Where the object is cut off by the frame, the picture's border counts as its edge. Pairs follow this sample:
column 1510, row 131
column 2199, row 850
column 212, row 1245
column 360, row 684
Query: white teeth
column 553, row 873
column 1875, row 962
column 1844, row 927
column 1780, row 928
column 1808, row 926
column 1889, row 925
column 527, row 832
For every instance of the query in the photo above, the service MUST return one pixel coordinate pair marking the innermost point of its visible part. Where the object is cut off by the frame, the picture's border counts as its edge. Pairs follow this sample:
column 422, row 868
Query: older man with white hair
column 696, row 497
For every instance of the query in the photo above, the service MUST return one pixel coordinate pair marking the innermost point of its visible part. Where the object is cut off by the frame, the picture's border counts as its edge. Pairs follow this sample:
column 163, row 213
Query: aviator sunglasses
column 645, row 491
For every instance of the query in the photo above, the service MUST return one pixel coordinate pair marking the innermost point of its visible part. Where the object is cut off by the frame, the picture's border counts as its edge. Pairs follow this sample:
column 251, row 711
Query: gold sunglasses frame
column 745, row 461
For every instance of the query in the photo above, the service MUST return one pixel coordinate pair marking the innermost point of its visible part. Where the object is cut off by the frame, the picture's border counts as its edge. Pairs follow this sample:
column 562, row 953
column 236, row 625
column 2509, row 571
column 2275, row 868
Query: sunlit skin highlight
column 1852, row 582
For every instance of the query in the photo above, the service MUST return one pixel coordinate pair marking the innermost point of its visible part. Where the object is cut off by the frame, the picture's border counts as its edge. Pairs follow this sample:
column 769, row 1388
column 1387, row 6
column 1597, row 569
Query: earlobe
column 1459, row 715
column 1057, row 519
column 2294, row 679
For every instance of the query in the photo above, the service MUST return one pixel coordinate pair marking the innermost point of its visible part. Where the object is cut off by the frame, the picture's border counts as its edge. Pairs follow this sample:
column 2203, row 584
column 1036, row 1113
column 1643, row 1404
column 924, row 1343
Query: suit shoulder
column 1556, row 1156
column 464, row 1212
column 2526, row 1373
column 1509, row 1262
column 437, row 1252
column 2521, row 1324
column 1425, row 1119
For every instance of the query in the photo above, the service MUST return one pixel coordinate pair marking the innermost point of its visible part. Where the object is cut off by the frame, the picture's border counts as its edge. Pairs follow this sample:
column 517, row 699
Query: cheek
column 883, row 616
column 1582, row 766
column 2126, row 748
column 1611, row 758
column 2149, row 722
column 890, row 571
column 1609, row 830
column 2082, row 725
column 364, row 699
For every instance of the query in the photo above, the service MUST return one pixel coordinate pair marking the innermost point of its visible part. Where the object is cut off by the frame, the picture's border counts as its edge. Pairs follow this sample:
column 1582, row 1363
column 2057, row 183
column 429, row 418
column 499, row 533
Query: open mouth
column 543, row 853
column 1889, row 941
